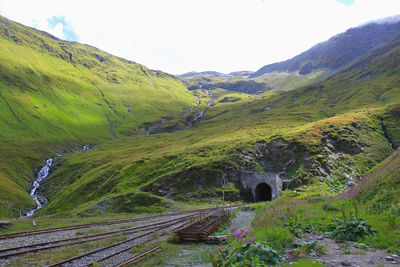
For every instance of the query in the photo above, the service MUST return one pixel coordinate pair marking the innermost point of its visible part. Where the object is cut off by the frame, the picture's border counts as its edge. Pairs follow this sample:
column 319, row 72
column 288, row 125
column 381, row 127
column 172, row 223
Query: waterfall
column 42, row 174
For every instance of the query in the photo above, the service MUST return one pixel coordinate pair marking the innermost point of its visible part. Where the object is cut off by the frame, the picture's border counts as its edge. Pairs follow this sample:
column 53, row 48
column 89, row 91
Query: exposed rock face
column 278, row 165
column 277, row 155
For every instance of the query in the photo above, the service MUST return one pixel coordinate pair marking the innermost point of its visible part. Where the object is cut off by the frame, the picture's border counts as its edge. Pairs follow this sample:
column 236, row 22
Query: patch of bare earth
column 345, row 254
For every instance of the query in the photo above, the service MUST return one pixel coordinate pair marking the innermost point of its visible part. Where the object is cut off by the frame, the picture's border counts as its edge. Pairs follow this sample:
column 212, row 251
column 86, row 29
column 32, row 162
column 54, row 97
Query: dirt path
column 345, row 254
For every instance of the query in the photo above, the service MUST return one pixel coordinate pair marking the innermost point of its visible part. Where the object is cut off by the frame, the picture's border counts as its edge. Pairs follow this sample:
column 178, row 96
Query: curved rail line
column 129, row 248
column 155, row 230
column 150, row 228
column 88, row 238
column 73, row 227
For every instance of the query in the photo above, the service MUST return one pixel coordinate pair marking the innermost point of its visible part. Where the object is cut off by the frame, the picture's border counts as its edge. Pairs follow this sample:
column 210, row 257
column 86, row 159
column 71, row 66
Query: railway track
column 81, row 226
column 99, row 255
column 137, row 257
column 19, row 250
column 114, row 253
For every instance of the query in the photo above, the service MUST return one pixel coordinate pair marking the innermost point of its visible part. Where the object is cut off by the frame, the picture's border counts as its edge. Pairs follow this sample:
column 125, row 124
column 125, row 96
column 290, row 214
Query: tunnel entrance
column 263, row 192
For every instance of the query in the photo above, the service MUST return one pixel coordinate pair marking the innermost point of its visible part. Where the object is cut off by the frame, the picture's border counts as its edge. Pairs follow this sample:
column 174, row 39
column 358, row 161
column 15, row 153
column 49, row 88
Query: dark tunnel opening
column 263, row 192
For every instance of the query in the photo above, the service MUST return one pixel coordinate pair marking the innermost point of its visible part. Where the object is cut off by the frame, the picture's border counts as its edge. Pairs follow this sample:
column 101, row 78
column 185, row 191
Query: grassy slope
column 57, row 95
column 347, row 100
column 381, row 190
column 288, row 81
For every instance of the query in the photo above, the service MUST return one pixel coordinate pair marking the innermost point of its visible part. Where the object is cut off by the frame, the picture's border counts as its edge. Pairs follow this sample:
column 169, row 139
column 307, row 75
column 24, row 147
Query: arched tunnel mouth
column 263, row 192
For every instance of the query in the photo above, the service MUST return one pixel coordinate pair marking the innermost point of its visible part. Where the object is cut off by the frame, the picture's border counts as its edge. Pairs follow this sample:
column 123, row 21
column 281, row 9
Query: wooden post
column 223, row 190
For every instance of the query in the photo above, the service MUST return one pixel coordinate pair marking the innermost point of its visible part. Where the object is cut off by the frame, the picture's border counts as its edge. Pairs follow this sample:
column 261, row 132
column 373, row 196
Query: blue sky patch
column 67, row 30
column 346, row 2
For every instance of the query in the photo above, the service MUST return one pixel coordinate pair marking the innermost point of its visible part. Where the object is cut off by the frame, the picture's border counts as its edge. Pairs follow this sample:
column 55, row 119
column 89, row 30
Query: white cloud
column 183, row 35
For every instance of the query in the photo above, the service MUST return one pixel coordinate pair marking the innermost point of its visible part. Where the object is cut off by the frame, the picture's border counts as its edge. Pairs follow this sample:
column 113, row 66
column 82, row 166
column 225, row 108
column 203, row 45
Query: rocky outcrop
column 338, row 157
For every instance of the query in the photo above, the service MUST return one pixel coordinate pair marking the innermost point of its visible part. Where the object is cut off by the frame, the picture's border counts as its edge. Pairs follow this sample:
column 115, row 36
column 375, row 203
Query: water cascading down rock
column 43, row 173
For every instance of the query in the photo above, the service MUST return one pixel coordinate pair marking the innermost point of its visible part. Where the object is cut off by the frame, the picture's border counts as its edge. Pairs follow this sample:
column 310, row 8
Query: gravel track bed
column 54, row 236
column 47, row 237
column 122, row 256
column 95, row 257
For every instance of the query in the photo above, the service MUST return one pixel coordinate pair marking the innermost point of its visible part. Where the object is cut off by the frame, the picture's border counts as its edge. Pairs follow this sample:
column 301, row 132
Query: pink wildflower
column 251, row 240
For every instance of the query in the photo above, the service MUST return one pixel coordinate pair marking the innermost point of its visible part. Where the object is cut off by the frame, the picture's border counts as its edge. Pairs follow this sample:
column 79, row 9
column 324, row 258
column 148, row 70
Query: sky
column 179, row 36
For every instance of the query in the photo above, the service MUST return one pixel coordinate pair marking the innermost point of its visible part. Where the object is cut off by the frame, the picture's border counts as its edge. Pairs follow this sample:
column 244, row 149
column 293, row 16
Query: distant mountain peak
column 340, row 50
column 387, row 20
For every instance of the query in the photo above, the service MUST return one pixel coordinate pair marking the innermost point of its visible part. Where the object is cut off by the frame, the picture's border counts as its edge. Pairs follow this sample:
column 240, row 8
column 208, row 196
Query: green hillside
column 380, row 189
column 317, row 135
column 56, row 96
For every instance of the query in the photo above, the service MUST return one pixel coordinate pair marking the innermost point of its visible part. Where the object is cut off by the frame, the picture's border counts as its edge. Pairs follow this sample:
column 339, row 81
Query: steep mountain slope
column 56, row 96
column 327, row 134
column 311, row 66
column 338, row 51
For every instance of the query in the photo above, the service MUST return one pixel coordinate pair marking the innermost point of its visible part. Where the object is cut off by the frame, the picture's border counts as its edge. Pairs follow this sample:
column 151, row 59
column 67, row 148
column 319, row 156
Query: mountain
column 56, row 96
column 234, row 81
column 319, row 138
column 339, row 50
column 215, row 74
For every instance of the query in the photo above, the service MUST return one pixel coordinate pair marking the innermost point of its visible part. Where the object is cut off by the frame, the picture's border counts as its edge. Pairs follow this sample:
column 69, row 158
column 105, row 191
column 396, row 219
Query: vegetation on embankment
column 374, row 202
column 56, row 96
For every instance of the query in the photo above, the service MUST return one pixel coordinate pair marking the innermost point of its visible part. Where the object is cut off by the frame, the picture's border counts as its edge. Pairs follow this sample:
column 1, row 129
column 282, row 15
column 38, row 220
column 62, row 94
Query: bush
column 248, row 254
column 244, row 252
column 353, row 229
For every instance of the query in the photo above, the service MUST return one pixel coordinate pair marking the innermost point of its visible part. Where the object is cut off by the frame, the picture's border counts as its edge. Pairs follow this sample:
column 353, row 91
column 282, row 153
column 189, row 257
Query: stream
column 209, row 104
column 153, row 128
column 42, row 174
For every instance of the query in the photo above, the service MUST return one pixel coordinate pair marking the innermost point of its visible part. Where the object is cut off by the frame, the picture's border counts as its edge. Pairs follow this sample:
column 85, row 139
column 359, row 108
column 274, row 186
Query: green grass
column 315, row 214
column 304, row 263
column 196, row 155
column 288, row 81
column 56, row 96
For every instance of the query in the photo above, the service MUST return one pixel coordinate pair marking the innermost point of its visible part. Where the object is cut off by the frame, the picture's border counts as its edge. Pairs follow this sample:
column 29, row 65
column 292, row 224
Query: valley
column 321, row 127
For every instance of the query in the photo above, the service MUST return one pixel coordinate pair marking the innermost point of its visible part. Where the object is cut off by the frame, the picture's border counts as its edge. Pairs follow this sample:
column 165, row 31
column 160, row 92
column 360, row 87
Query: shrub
column 353, row 229
column 244, row 252
column 248, row 254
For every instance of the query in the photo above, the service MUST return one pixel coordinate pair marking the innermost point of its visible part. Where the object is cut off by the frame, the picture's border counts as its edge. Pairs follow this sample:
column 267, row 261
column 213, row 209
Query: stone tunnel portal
column 263, row 192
